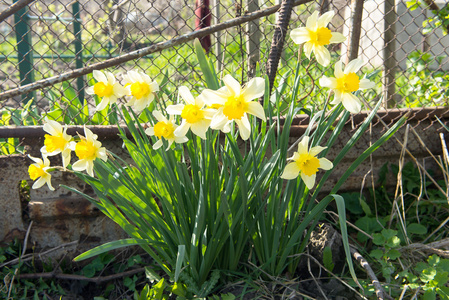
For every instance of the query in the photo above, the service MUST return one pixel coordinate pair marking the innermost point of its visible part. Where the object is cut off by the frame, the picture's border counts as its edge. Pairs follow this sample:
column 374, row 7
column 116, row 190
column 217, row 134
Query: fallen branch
column 97, row 280
column 13, row 8
column 434, row 247
column 380, row 292
column 33, row 255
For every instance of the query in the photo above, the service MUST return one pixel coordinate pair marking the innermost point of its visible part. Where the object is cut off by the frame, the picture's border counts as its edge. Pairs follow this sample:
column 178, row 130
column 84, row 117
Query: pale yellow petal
column 232, row 84
column 308, row 180
column 244, row 127
column 291, row 171
column 256, row 109
column 186, row 95
column 366, row 84
column 353, row 66
column 300, row 35
column 324, row 20
column 314, row 151
column 255, row 88
column 351, row 103
column 325, row 164
column 312, row 20
column 337, row 37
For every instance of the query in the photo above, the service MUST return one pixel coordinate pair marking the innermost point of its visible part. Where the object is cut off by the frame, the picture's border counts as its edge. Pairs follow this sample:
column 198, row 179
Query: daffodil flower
column 316, row 35
column 194, row 115
column 106, row 88
column 306, row 164
column 39, row 171
column 57, row 141
column 235, row 103
column 141, row 88
column 345, row 83
column 164, row 129
column 88, row 149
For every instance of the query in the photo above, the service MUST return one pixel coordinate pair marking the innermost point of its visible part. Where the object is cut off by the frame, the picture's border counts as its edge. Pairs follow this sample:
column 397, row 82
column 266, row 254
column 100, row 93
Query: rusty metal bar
column 277, row 44
column 356, row 29
column 142, row 52
column 15, row 7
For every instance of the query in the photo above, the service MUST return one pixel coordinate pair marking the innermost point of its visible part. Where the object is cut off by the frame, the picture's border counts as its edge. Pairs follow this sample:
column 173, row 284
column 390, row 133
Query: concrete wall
column 62, row 217
column 408, row 32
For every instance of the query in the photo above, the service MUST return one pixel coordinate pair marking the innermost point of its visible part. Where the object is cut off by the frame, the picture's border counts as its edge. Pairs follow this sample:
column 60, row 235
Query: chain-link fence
column 52, row 37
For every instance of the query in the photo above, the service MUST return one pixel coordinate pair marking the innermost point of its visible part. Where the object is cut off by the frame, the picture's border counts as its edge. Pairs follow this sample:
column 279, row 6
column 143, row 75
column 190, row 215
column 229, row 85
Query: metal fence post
column 355, row 29
column 78, row 48
column 24, row 50
column 218, row 51
column 388, row 80
column 253, row 43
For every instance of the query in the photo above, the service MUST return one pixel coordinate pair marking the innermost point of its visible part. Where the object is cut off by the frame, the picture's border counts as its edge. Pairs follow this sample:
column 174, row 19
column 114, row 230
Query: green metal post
column 78, row 48
column 24, row 50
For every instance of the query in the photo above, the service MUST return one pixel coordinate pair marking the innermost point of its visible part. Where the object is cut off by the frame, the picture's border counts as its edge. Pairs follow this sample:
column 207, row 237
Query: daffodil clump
column 193, row 197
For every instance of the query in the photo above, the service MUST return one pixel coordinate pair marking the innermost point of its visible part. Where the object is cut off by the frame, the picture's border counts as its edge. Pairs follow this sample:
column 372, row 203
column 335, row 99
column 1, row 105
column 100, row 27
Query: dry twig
column 380, row 292
column 97, row 280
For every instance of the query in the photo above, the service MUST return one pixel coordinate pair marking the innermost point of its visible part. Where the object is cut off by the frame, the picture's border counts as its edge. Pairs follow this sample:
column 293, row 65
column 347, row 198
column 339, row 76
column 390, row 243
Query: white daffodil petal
column 232, row 84
column 366, row 84
column 308, row 49
column 338, row 69
column 328, row 82
column 325, row 164
column 90, row 90
column 256, row 109
column 159, row 116
column 103, row 103
column 110, row 77
column 200, row 128
column 300, row 35
column 308, row 180
column 80, row 165
column 325, row 19
column 99, row 76
column 182, row 129
column 314, row 151
column 181, row 139
column 175, row 109
column 303, row 146
column 291, row 171
column 353, row 66
column 90, row 168
column 214, row 97
column 337, row 37
column 158, row 144
column 218, row 121
column 39, row 183
column 312, row 20
column 351, row 103
column 322, row 55
column 149, row 131
column 254, row 89
column 186, row 95
column 154, row 86
column 244, row 127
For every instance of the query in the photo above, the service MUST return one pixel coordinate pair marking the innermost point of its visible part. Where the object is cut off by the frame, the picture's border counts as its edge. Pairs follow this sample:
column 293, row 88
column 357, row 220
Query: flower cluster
column 215, row 109
column 139, row 87
column 315, row 36
column 87, row 149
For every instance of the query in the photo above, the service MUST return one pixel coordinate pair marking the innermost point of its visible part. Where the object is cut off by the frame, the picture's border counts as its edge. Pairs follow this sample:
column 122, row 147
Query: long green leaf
column 112, row 246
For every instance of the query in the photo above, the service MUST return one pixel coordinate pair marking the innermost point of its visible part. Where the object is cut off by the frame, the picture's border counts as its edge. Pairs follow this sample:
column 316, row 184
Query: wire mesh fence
column 52, row 37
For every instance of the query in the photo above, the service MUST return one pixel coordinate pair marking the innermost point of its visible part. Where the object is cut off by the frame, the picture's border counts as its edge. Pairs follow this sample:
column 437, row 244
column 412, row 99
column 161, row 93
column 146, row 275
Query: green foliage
column 426, row 87
column 440, row 18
